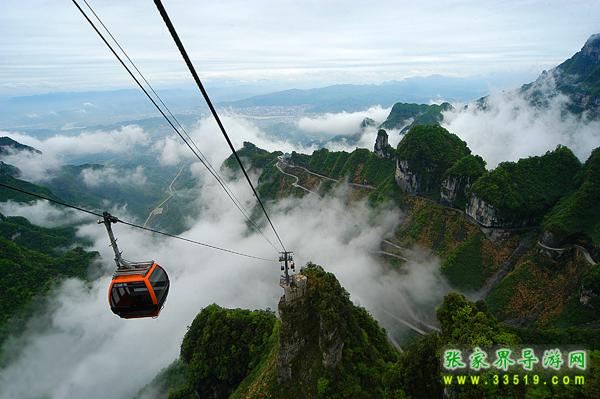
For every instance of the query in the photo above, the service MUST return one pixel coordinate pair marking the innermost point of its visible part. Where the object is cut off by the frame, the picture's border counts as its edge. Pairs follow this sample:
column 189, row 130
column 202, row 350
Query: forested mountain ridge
column 484, row 225
column 323, row 346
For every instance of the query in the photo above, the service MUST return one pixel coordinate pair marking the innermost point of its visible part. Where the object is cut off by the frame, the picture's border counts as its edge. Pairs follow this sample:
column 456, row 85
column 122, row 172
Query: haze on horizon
column 47, row 46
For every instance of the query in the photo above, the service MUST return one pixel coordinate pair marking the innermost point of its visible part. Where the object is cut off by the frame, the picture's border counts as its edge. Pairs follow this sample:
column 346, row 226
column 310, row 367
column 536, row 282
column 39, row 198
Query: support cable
column 190, row 66
column 100, row 215
column 204, row 162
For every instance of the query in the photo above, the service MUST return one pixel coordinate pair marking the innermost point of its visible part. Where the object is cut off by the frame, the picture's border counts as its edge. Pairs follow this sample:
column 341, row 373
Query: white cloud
column 341, row 123
column 210, row 141
column 94, row 177
column 43, row 214
column 120, row 140
column 56, row 149
column 510, row 128
column 79, row 351
column 313, row 42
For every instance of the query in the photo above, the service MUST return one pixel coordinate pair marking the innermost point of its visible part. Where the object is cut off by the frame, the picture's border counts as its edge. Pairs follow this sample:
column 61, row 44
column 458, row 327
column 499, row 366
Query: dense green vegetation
column 252, row 156
column 221, row 347
column 7, row 176
column 32, row 260
column 465, row 324
column 578, row 215
column 526, row 189
column 359, row 166
column 325, row 318
column 422, row 114
column 463, row 173
column 467, row 267
column 430, row 151
column 233, row 352
column 471, row 166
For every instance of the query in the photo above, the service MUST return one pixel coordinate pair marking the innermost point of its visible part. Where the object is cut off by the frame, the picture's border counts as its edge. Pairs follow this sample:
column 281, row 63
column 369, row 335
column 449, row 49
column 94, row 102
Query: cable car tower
column 287, row 264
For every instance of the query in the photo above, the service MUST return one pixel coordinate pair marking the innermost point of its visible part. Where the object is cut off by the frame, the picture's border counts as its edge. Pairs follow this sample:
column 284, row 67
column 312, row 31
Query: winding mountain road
column 158, row 210
column 295, row 183
column 583, row 250
column 282, row 162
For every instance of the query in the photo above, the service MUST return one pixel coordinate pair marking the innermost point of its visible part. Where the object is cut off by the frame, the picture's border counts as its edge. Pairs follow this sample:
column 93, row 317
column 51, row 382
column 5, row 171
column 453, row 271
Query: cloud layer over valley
column 78, row 348
column 511, row 127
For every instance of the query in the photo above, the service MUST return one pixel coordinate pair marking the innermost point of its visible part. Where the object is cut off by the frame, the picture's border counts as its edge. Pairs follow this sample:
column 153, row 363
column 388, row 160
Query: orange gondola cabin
column 140, row 290
column 137, row 289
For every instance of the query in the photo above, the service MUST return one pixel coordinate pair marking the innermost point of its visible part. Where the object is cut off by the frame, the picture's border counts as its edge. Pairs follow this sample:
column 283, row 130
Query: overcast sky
column 45, row 45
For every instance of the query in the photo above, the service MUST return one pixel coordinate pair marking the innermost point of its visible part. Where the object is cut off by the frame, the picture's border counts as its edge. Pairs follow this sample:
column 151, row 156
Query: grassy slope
column 546, row 292
column 468, row 256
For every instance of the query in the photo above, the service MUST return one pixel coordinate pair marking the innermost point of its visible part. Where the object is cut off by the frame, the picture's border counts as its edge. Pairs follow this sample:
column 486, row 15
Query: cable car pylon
column 287, row 264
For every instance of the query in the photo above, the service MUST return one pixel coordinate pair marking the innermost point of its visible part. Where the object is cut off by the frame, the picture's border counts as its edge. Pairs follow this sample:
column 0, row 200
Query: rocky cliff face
column 591, row 48
column 484, row 213
column 327, row 346
column 382, row 145
column 454, row 189
column 488, row 216
column 304, row 336
column 406, row 178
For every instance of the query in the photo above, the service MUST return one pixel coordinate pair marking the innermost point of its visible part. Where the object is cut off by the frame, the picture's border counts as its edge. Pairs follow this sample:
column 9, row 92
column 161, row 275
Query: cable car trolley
column 288, row 267
column 137, row 289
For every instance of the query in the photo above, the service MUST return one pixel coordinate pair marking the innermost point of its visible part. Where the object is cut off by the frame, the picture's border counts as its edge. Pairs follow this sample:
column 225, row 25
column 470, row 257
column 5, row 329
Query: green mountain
column 9, row 175
column 579, row 78
column 524, row 191
column 484, row 225
column 405, row 115
column 424, row 155
column 577, row 215
column 323, row 346
column 8, row 145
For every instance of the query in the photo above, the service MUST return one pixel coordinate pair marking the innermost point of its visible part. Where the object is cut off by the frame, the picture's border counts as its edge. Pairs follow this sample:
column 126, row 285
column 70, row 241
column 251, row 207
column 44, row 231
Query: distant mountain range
column 349, row 97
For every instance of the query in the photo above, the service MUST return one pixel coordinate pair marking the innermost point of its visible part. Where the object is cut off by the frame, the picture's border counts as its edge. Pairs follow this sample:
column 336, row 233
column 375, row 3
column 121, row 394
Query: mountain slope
column 404, row 116
column 33, row 259
column 8, row 145
column 578, row 215
column 579, row 78
column 324, row 346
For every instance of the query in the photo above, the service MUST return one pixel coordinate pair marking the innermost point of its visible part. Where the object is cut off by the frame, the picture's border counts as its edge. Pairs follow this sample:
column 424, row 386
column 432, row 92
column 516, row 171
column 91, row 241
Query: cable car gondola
column 137, row 289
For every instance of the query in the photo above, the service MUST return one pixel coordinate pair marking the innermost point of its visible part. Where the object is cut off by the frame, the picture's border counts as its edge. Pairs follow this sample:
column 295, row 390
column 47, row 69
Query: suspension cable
column 190, row 66
column 200, row 157
column 98, row 214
